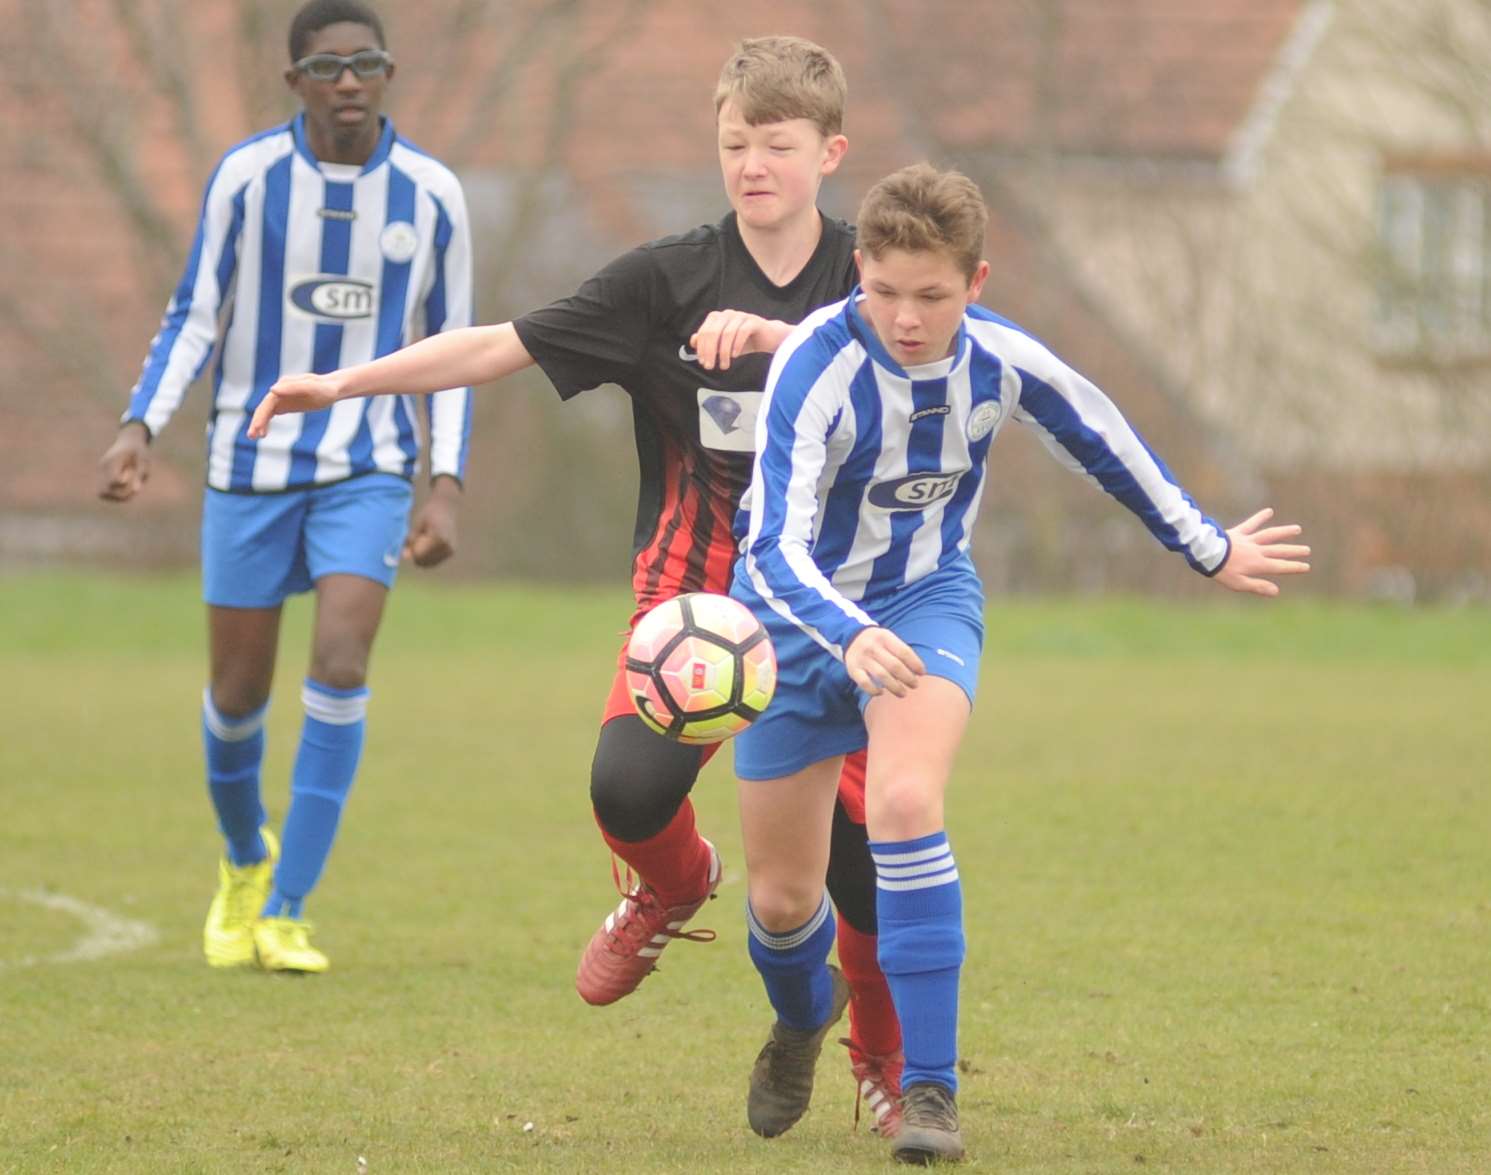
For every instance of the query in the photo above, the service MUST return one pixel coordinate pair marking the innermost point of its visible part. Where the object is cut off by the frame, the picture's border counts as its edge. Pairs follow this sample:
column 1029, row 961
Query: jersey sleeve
column 1086, row 432
column 189, row 329
column 448, row 307
column 599, row 333
column 805, row 394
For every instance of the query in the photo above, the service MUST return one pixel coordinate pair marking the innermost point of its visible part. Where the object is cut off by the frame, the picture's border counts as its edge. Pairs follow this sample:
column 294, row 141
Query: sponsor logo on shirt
column 981, row 420
column 329, row 298
column 398, row 240
column 939, row 410
column 727, row 420
column 336, row 213
column 915, row 492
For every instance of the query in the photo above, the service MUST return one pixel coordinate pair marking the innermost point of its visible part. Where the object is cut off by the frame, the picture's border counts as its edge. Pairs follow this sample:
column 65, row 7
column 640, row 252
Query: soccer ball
column 700, row 668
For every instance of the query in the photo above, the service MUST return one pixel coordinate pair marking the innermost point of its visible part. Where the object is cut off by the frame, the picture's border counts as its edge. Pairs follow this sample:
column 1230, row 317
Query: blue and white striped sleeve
column 1084, row 429
column 448, row 307
column 806, row 392
column 189, row 329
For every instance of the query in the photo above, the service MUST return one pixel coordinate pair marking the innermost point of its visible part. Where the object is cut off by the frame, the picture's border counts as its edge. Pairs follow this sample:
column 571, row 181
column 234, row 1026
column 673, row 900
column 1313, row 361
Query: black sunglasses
column 327, row 67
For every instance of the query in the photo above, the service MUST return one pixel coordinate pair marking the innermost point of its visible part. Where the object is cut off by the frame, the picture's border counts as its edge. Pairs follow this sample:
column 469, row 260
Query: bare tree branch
column 552, row 19
column 102, row 117
column 159, row 46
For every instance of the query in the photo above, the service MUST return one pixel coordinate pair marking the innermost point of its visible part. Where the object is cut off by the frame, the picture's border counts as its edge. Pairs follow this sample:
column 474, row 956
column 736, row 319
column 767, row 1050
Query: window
column 1434, row 290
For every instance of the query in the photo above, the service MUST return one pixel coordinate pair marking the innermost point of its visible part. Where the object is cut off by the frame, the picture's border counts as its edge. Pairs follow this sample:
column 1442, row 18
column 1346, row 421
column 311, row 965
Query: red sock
column 674, row 862
column 873, row 1026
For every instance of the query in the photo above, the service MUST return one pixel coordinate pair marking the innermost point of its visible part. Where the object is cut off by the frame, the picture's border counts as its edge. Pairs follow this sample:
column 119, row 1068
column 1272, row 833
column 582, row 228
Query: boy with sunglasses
column 677, row 324
column 322, row 242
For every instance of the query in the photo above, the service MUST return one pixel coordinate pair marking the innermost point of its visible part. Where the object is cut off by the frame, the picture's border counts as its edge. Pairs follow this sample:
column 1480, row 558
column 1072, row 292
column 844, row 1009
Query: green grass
column 1226, row 877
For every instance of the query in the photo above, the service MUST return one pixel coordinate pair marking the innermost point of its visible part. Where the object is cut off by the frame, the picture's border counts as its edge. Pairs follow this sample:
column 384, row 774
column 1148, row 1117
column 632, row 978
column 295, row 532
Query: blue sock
column 235, row 749
column 919, row 908
column 325, row 765
column 794, row 967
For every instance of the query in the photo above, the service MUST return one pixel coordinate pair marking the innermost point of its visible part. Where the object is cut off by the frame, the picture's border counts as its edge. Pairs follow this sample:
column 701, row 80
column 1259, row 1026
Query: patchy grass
column 1226, row 893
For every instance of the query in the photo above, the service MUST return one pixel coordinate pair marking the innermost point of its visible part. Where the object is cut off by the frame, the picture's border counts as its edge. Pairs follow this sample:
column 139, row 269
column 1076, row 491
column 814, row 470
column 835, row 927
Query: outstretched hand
column 292, row 393
column 1259, row 553
column 878, row 660
column 728, row 334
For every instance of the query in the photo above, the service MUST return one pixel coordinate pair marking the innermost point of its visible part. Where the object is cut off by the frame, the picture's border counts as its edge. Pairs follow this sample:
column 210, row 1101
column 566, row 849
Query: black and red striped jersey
column 695, row 430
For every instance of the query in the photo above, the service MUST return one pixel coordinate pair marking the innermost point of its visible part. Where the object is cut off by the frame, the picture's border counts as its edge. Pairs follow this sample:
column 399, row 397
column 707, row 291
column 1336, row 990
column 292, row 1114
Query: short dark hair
column 317, row 14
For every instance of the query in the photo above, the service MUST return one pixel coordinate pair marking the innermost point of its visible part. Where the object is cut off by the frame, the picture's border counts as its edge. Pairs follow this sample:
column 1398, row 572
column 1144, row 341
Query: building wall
column 1262, row 292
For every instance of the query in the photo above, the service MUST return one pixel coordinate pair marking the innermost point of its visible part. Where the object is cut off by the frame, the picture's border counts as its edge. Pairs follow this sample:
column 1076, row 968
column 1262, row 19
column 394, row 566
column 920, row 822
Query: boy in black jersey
column 681, row 324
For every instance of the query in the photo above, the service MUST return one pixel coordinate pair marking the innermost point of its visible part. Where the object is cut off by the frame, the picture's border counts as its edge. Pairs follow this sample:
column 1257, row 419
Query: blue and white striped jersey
column 868, row 476
column 303, row 266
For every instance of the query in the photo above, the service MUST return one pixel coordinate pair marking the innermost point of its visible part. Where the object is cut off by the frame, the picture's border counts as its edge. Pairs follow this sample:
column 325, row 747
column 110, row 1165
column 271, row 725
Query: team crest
column 398, row 241
column 981, row 420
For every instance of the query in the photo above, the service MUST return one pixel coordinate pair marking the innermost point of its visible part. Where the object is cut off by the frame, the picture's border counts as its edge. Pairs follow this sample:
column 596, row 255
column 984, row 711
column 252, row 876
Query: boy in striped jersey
column 323, row 242
column 876, row 428
column 677, row 324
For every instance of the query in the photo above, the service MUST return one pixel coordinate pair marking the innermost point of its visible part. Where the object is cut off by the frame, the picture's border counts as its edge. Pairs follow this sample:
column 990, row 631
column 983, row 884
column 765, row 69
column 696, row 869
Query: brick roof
column 1156, row 78
column 1152, row 78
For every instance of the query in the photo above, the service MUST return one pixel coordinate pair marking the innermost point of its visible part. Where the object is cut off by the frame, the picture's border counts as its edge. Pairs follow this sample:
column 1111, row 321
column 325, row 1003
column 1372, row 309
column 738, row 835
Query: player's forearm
column 782, row 569
column 452, row 359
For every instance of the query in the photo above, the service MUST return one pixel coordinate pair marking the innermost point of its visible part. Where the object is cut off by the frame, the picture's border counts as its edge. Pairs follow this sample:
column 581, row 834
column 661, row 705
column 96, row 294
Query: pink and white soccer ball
column 700, row 668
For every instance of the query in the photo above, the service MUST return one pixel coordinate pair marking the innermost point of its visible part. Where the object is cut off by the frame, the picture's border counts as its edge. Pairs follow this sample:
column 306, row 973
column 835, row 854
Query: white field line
column 104, row 933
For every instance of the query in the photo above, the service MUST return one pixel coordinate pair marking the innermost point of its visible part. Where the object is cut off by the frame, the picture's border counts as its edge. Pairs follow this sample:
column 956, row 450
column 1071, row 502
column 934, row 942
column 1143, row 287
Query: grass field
column 1227, row 881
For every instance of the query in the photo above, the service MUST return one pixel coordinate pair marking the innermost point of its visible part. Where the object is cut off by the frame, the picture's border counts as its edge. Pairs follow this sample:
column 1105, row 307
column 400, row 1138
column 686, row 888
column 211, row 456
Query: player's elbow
column 502, row 352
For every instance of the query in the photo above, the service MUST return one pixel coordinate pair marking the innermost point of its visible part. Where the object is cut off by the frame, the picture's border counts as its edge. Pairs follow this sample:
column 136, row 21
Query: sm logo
column 333, row 299
column 916, row 492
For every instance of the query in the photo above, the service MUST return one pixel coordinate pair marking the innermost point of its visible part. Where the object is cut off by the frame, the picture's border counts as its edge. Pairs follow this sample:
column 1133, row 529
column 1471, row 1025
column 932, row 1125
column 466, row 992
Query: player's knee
column 340, row 666
column 238, row 697
column 781, row 904
column 638, row 781
column 901, row 806
column 631, row 804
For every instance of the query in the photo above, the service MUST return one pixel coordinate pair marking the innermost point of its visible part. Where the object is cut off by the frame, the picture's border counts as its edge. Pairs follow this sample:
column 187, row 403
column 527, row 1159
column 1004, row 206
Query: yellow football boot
column 242, row 890
column 284, row 944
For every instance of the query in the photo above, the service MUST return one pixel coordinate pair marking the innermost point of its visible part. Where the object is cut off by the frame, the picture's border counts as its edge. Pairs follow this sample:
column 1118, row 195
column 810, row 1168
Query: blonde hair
column 920, row 209
column 773, row 79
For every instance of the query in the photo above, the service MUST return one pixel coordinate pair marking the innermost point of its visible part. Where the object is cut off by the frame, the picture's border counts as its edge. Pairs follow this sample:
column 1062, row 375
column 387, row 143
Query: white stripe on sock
column 333, row 710
column 932, row 882
column 785, row 942
column 230, row 730
column 934, row 866
column 908, row 858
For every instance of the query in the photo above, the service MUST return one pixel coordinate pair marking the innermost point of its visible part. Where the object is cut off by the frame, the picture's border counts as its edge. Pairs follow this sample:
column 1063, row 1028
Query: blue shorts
column 259, row 548
column 817, row 712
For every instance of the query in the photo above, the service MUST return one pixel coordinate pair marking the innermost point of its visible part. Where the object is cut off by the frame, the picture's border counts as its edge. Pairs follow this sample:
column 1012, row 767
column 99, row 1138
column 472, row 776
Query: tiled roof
column 1156, row 78
column 1153, row 78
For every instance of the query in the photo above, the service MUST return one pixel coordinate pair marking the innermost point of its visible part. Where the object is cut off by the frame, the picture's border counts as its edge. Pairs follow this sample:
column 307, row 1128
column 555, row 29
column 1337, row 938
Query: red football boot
column 625, row 949
column 879, row 1086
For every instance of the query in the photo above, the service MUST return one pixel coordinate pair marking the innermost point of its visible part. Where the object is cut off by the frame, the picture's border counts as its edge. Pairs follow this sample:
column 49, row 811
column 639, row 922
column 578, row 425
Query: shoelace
column 639, row 899
column 868, row 1068
column 791, row 1053
column 929, row 1105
